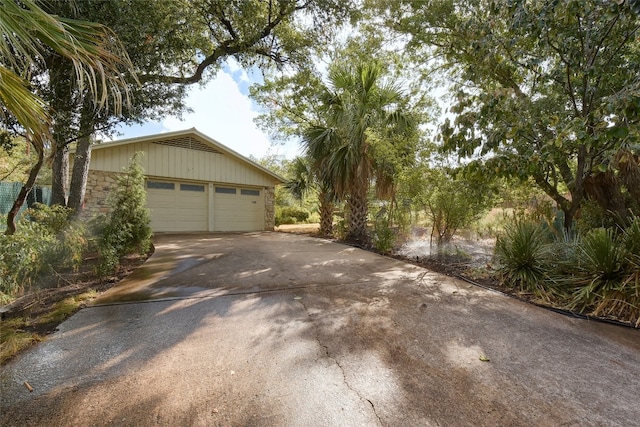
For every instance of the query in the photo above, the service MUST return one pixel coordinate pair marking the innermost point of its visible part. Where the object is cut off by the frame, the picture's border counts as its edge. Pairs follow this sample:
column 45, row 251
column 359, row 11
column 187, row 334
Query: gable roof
column 191, row 139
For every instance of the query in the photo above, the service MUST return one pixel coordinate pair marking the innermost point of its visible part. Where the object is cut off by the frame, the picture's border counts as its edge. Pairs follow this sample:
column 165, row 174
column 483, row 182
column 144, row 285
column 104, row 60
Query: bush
column 524, row 258
column 453, row 204
column 607, row 278
column 592, row 216
column 291, row 215
column 383, row 235
column 70, row 243
column 45, row 241
column 285, row 220
column 21, row 259
column 127, row 227
column 301, row 215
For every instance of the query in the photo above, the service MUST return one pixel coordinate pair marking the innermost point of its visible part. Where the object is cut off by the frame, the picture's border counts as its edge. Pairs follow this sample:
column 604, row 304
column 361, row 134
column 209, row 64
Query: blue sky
column 223, row 111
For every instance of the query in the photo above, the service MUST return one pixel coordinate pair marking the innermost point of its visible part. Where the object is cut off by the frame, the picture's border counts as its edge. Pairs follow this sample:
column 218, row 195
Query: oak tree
column 548, row 90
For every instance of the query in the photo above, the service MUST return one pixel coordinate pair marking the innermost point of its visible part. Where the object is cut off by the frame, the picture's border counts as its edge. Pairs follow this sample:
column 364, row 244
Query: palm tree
column 359, row 106
column 98, row 58
column 318, row 142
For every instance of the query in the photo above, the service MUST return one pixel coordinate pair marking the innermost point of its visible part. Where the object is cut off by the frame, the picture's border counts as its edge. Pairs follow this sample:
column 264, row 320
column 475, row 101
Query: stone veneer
column 99, row 184
column 269, row 208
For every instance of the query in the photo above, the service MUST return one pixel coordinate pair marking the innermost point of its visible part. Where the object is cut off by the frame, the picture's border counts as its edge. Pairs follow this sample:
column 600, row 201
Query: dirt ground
column 33, row 306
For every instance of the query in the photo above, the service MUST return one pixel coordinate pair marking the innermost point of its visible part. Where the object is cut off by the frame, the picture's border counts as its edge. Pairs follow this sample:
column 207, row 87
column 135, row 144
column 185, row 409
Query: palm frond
column 302, row 181
column 99, row 58
column 30, row 110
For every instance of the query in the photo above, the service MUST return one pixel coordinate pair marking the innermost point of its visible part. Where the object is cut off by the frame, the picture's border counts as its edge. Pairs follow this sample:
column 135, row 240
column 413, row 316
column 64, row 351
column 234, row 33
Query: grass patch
column 14, row 338
column 66, row 307
column 18, row 333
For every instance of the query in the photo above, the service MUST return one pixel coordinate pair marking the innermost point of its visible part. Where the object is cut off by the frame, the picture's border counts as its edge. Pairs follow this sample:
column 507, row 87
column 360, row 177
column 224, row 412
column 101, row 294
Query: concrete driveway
column 271, row 329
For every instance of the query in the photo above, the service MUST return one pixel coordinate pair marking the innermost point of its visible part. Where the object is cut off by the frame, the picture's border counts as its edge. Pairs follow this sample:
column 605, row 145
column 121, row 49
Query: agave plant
column 599, row 273
column 524, row 258
column 631, row 282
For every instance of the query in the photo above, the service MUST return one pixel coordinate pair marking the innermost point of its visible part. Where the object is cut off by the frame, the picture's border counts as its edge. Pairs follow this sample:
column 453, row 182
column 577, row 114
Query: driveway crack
column 337, row 363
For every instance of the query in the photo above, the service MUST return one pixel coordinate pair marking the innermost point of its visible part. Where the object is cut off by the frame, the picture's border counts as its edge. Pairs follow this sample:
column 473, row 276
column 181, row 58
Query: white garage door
column 178, row 206
column 238, row 209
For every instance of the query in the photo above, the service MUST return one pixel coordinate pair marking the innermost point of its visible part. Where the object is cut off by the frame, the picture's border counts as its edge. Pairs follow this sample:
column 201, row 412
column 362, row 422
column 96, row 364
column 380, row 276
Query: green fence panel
column 9, row 192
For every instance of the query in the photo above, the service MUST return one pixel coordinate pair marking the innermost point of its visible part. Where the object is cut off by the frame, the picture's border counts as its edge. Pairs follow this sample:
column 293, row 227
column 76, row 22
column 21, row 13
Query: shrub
column 592, row 216
column 524, row 258
column 608, row 275
column 599, row 272
column 21, row 259
column 45, row 241
column 384, row 236
column 127, row 227
column 453, row 204
column 53, row 218
column 285, row 220
column 291, row 215
column 341, row 228
column 314, row 217
column 70, row 243
column 301, row 215
column 631, row 282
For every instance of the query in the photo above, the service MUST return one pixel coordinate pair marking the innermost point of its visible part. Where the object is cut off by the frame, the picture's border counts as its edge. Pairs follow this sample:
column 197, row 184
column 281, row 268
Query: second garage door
column 238, row 209
column 178, row 206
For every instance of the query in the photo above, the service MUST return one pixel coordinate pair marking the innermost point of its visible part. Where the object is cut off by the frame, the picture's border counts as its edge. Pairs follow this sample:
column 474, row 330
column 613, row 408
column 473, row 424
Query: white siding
column 181, row 163
column 192, row 159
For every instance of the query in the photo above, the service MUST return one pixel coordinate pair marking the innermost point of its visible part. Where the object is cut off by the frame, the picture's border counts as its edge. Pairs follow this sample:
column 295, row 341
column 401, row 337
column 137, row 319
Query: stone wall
column 269, row 208
column 99, row 184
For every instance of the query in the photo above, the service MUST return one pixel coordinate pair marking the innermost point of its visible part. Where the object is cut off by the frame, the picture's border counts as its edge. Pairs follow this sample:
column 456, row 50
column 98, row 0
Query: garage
column 237, row 209
column 177, row 206
column 193, row 183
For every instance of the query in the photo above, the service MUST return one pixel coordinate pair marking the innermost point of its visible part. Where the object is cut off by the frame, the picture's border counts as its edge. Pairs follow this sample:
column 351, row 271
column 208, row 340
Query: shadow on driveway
column 274, row 329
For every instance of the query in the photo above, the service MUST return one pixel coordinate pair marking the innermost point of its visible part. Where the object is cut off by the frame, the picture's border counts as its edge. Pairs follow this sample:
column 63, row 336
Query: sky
column 223, row 111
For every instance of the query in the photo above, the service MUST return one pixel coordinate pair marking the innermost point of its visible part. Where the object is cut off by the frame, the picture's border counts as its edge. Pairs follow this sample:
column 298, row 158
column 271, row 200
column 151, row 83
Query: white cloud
column 223, row 113
column 234, row 67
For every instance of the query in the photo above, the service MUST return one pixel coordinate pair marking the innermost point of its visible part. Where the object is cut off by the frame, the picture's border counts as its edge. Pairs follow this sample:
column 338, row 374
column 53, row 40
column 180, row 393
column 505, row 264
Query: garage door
column 238, row 209
column 178, row 206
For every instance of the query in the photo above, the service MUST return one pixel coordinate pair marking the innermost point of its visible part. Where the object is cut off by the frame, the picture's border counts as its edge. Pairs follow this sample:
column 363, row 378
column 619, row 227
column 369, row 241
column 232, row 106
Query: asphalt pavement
column 274, row 329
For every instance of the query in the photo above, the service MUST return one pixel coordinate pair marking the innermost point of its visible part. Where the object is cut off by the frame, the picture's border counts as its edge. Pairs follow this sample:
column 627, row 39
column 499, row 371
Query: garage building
column 193, row 183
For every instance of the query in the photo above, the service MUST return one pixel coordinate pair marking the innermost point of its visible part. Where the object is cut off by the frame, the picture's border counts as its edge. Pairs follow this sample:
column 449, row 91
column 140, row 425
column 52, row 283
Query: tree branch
column 231, row 47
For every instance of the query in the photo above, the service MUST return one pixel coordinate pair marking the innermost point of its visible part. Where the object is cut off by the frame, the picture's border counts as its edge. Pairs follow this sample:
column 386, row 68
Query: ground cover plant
column 595, row 274
column 53, row 263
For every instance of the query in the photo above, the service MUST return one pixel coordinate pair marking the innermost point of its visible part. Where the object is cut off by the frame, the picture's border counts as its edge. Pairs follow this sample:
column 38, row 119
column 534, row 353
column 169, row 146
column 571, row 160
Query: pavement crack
column 337, row 363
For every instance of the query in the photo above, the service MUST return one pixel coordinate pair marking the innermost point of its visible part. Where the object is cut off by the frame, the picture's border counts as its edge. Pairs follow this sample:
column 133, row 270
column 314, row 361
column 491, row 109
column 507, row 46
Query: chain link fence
column 9, row 192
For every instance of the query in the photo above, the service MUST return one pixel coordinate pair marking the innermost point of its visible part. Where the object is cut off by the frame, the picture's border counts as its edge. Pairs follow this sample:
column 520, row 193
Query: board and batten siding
column 180, row 163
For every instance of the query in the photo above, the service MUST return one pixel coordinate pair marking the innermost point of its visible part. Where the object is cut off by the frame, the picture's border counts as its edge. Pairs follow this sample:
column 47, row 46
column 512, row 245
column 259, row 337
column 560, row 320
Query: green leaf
column 618, row 132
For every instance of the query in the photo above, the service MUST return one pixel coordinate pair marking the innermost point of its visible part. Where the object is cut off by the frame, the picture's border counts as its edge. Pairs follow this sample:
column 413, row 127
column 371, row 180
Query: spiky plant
column 599, row 272
column 523, row 256
column 631, row 282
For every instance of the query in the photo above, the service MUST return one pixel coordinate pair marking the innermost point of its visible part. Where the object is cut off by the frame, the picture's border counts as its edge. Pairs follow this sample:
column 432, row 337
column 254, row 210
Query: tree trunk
column 64, row 106
column 24, row 191
column 358, row 218
column 604, row 188
column 326, row 214
column 569, row 214
column 81, row 161
column 59, row 176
